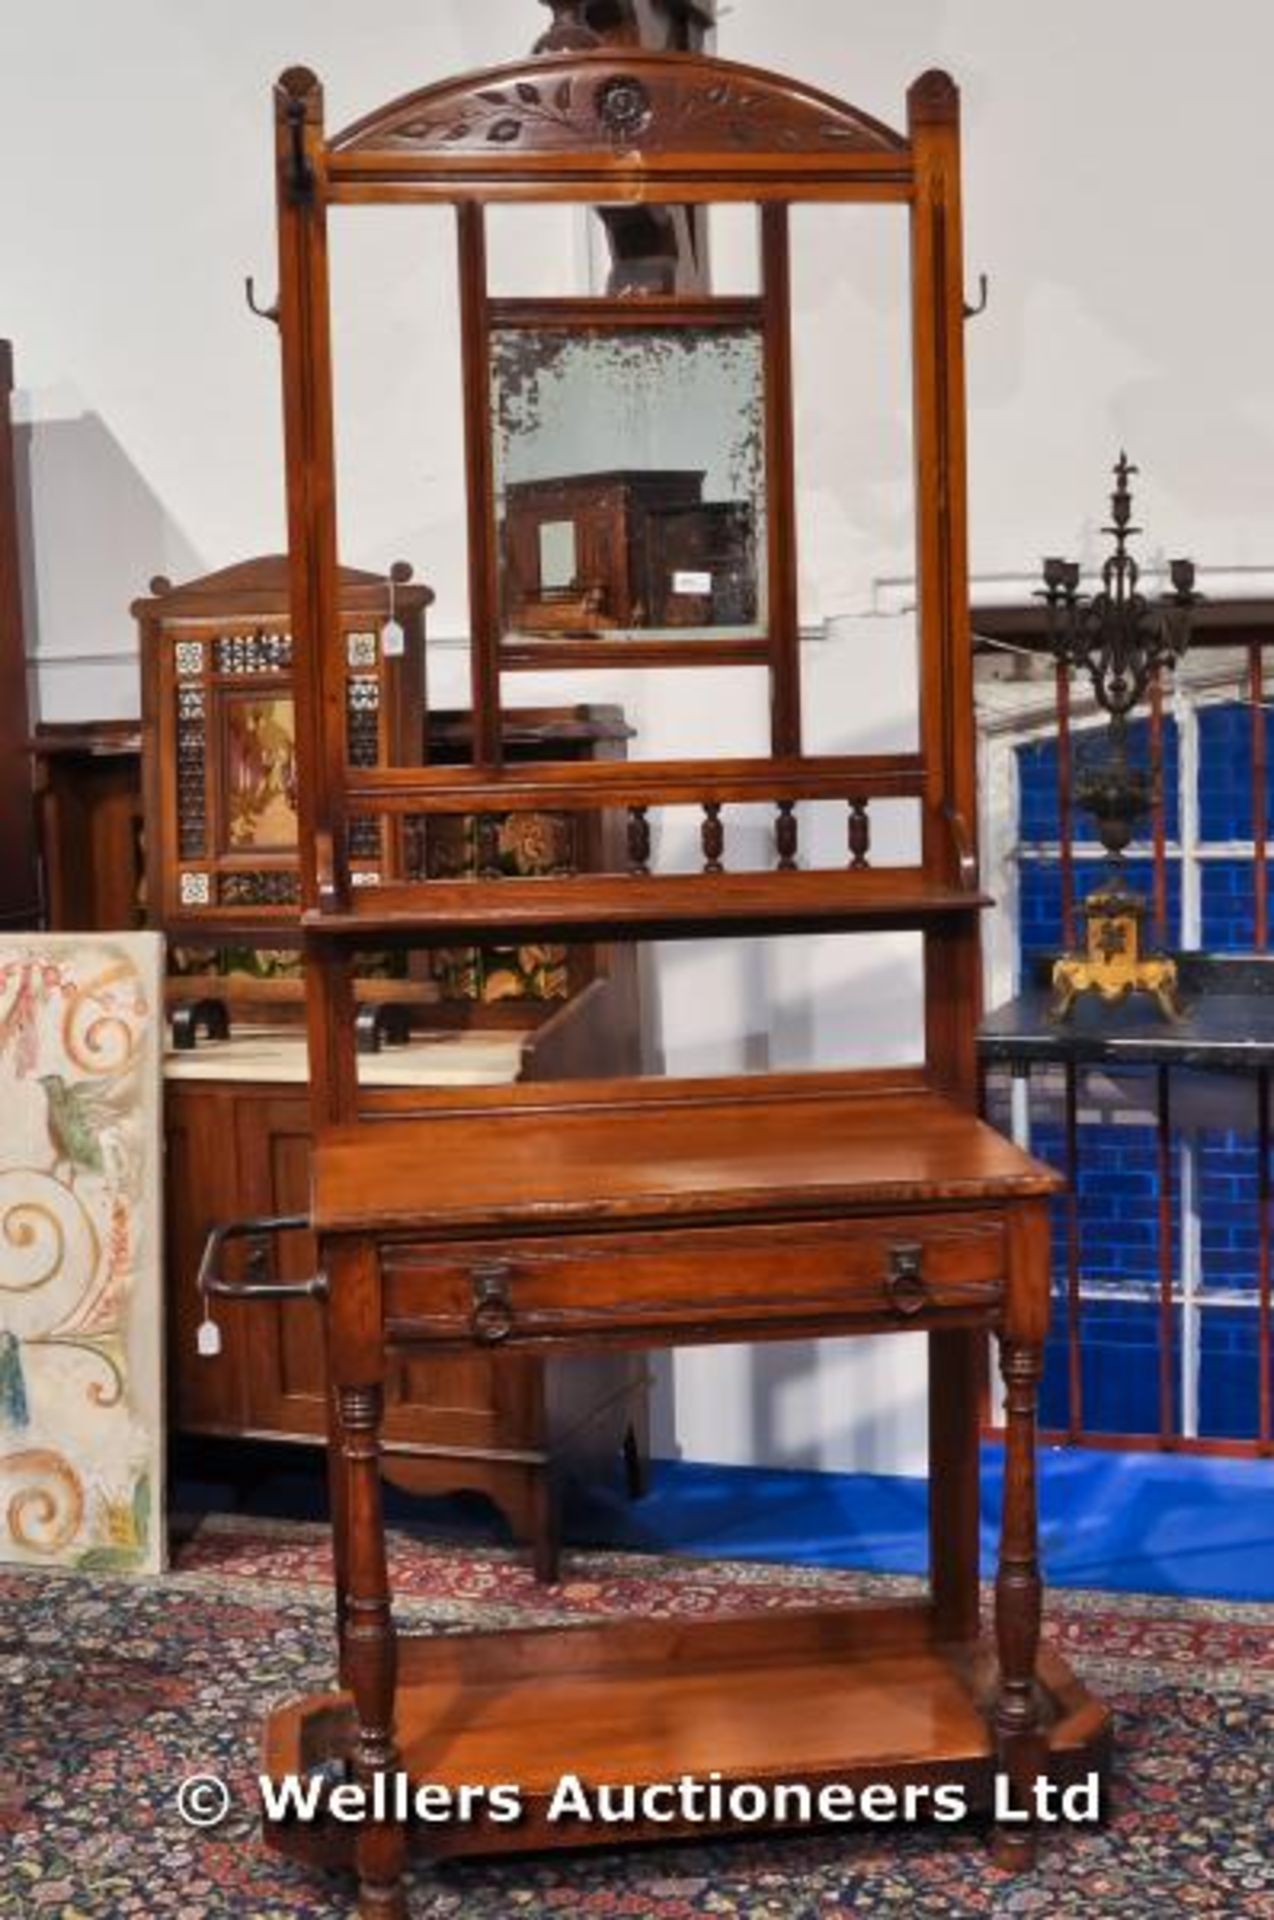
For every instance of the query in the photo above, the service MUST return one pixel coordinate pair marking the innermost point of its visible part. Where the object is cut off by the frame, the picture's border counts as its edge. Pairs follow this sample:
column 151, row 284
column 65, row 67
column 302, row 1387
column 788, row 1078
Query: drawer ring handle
column 907, row 1290
column 492, row 1318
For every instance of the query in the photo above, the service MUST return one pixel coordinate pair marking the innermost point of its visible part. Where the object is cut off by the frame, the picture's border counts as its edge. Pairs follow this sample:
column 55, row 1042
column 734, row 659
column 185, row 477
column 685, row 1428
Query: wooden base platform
column 852, row 1697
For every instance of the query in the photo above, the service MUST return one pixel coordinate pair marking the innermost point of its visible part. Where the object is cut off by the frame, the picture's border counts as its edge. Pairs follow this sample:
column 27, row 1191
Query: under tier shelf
column 850, row 1696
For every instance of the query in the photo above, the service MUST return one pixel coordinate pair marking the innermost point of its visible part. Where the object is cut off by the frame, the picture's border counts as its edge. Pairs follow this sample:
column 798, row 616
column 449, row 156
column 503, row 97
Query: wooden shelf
column 665, row 1151
column 845, row 1695
column 523, row 653
column 595, row 785
column 633, row 906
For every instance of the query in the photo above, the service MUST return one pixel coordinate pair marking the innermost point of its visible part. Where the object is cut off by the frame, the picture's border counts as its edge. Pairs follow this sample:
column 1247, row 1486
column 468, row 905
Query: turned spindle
column 859, row 833
column 487, row 840
column 639, row 840
column 713, row 837
column 786, row 835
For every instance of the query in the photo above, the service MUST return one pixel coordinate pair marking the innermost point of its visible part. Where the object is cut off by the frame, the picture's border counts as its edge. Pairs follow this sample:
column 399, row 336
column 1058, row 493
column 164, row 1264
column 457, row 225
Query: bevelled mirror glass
column 630, row 481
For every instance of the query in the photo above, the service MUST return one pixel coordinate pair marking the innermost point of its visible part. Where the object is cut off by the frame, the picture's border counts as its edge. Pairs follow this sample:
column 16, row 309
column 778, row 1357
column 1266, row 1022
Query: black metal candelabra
column 1122, row 641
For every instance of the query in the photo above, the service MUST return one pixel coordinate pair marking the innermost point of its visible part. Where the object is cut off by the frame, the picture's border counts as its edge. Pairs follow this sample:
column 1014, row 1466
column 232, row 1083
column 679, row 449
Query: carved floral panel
column 81, row 1429
column 519, row 844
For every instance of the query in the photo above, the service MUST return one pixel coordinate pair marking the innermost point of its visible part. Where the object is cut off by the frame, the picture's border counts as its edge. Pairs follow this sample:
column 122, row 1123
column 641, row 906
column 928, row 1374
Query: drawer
column 707, row 1284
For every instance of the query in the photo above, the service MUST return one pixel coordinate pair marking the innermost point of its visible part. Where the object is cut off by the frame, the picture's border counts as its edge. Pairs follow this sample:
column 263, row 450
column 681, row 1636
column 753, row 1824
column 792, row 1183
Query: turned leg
column 340, row 1523
column 370, row 1654
column 1021, row 1747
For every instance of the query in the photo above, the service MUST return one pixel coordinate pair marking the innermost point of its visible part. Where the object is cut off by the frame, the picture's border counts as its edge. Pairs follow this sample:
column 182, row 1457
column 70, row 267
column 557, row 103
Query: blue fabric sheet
column 1128, row 1522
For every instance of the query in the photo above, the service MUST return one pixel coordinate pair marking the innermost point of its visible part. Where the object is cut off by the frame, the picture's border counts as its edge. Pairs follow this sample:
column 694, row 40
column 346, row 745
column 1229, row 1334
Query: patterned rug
column 116, row 1690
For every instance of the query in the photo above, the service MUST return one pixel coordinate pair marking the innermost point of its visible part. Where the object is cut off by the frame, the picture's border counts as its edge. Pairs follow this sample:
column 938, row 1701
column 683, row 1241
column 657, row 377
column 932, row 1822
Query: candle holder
column 1122, row 641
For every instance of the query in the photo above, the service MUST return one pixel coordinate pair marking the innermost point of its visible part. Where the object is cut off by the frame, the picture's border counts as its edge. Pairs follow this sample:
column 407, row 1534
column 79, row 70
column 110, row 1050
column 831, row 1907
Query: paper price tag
column 393, row 641
column 696, row 583
column 208, row 1340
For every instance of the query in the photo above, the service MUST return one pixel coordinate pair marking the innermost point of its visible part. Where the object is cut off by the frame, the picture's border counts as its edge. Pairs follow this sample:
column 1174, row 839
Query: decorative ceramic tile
column 195, row 890
column 189, row 655
column 81, row 1405
column 268, row 889
column 240, row 653
column 361, row 649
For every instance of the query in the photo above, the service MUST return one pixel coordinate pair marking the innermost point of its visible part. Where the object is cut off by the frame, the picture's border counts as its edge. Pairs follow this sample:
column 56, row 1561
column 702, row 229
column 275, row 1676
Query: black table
column 1228, row 1023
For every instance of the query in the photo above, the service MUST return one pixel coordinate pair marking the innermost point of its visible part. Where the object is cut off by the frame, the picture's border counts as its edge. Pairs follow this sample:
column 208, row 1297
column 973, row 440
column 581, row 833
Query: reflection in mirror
column 635, row 457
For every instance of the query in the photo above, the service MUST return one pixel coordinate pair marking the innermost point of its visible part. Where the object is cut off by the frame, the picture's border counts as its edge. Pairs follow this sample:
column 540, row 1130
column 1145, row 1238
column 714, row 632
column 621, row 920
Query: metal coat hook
column 263, row 313
column 971, row 313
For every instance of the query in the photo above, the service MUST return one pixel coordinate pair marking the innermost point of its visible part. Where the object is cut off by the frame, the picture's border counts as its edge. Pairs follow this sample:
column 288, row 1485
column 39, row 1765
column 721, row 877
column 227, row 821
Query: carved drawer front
column 699, row 1284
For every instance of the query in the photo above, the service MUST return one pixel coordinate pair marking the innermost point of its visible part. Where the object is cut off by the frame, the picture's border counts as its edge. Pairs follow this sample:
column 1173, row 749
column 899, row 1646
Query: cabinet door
column 286, row 1390
column 206, row 1395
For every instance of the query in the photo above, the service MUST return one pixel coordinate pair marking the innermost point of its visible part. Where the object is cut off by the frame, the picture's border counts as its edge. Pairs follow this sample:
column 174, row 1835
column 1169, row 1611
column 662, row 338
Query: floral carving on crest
column 623, row 106
column 720, row 110
column 496, row 114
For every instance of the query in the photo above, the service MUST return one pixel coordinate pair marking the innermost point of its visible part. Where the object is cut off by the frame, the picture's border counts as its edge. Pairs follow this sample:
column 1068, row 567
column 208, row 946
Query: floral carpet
column 116, row 1690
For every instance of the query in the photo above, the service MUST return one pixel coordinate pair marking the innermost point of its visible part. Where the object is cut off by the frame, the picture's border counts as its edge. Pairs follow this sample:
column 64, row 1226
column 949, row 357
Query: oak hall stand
column 630, row 1213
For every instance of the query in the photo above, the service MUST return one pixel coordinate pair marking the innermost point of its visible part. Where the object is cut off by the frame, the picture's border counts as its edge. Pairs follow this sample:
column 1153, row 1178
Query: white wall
column 1116, row 170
